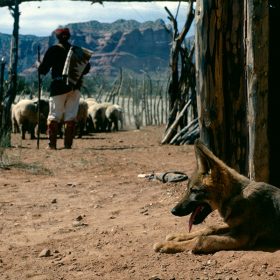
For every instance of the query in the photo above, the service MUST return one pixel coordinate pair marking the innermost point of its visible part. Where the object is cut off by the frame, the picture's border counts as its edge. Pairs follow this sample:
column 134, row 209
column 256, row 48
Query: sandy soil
column 85, row 214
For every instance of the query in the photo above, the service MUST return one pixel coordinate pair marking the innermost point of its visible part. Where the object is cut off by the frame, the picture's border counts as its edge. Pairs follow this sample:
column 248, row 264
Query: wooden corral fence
column 144, row 101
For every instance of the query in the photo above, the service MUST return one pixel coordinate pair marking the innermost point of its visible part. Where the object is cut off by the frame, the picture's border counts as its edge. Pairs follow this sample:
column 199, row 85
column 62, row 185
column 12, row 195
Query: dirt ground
column 85, row 214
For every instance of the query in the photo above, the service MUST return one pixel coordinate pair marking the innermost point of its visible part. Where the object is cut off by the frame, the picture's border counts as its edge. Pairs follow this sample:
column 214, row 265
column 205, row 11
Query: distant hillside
column 127, row 44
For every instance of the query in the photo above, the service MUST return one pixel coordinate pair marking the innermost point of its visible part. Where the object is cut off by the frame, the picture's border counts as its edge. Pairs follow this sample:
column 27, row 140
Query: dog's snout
column 181, row 210
column 173, row 211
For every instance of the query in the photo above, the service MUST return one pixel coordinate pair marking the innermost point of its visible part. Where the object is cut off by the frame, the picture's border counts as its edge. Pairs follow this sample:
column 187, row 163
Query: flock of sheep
column 92, row 117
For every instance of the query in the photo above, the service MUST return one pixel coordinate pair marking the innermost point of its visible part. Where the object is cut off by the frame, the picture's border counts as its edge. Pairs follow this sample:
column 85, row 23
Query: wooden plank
column 221, row 96
column 257, row 85
column 5, row 3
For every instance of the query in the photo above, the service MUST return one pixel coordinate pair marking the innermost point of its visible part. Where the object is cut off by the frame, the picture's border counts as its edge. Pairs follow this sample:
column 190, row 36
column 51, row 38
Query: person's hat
column 62, row 32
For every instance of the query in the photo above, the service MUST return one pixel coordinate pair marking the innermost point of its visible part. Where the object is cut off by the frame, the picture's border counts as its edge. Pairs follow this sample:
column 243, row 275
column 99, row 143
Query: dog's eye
column 194, row 190
column 198, row 189
column 208, row 173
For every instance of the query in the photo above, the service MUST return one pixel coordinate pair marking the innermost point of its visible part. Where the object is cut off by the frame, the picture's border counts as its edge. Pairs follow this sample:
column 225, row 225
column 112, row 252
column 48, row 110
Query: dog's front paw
column 172, row 236
column 178, row 237
column 168, row 248
column 205, row 245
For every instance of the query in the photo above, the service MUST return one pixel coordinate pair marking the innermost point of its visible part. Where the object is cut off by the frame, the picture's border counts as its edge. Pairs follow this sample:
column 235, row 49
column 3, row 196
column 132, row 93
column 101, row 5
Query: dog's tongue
column 194, row 213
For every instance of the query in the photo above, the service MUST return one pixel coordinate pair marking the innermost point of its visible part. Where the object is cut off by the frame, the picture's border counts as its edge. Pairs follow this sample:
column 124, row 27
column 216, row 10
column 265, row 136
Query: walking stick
column 39, row 100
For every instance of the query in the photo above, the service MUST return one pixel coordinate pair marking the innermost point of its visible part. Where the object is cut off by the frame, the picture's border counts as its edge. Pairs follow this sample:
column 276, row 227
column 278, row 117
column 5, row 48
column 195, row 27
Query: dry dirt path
column 91, row 217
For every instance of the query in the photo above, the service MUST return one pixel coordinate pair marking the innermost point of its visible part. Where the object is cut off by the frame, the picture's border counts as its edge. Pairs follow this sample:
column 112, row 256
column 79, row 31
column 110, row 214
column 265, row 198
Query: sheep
column 103, row 107
column 97, row 116
column 95, row 113
column 25, row 116
column 114, row 115
column 15, row 127
column 91, row 101
column 44, row 112
column 89, row 123
column 82, row 116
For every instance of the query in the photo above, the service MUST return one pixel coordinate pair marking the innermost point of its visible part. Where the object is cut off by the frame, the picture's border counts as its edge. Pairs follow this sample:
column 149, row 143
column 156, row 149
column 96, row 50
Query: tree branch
column 5, row 3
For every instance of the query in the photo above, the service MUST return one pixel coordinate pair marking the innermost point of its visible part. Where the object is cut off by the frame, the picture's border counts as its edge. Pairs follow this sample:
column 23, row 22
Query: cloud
column 41, row 18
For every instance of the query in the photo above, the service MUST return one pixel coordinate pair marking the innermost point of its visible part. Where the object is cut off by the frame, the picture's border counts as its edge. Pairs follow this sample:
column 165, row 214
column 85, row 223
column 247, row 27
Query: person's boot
column 69, row 134
column 52, row 133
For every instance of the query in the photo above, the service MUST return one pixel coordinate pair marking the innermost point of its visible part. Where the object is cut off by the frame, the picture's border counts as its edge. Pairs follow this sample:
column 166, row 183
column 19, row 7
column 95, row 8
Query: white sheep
column 15, row 126
column 91, row 101
column 25, row 116
column 114, row 115
column 82, row 116
column 97, row 116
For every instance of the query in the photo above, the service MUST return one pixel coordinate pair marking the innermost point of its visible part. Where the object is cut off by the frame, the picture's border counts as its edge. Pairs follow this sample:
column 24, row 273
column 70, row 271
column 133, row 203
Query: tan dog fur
column 250, row 210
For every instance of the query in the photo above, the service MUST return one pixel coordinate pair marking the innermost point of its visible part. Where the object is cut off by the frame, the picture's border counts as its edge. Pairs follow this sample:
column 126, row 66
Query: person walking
column 64, row 94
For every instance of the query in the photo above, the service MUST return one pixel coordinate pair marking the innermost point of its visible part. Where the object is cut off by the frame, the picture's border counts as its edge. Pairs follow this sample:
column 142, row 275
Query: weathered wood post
column 221, row 97
column 273, row 95
column 257, row 30
column 5, row 129
column 2, row 72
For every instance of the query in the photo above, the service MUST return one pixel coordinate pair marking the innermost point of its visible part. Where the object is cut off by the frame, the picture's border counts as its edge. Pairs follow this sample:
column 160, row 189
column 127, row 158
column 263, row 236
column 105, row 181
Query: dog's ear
column 206, row 160
column 208, row 163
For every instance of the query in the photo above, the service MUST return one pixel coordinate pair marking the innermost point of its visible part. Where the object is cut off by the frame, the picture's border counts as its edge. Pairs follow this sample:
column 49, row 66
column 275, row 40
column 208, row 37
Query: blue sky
column 41, row 18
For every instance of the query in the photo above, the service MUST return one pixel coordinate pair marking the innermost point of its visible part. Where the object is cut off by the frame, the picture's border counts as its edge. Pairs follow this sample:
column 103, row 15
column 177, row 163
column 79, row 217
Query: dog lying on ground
column 250, row 210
